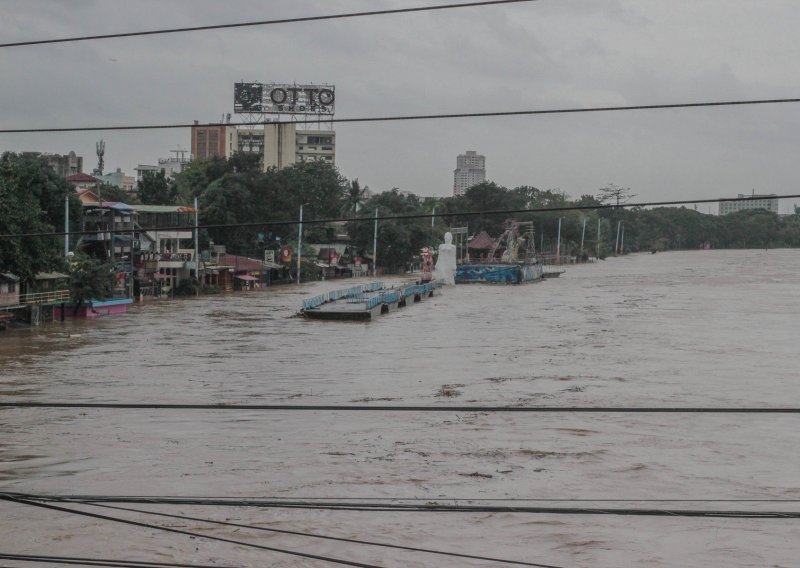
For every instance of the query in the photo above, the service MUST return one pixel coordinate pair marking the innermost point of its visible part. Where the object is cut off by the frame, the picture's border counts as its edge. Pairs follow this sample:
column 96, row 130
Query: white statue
column 446, row 263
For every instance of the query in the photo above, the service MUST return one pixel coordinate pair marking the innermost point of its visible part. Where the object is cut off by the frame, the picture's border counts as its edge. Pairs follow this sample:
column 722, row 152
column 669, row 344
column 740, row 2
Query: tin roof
column 482, row 242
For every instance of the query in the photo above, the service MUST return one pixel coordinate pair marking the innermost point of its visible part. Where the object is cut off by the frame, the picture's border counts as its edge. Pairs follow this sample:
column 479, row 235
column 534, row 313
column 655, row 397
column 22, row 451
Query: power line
column 419, row 408
column 6, row 497
column 263, row 22
column 236, row 501
column 553, row 209
column 416, row 117
column 326, row 537
column 429, row 507
column 115, row 563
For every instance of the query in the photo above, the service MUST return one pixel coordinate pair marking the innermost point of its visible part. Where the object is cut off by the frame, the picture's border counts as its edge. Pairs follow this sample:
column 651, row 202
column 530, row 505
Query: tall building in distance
column 761, row 201
column 470, row 170
column 305, row 135
column 213, row 141
column 65, row 166
column 278, row 144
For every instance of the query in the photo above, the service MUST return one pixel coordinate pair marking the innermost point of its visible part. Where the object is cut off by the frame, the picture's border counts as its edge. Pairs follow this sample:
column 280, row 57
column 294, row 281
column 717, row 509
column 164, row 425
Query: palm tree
column 355, row 196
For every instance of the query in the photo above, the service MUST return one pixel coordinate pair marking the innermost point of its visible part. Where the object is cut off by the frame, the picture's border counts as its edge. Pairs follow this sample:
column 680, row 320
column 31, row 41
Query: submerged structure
column 367, row 301
column 511, row 259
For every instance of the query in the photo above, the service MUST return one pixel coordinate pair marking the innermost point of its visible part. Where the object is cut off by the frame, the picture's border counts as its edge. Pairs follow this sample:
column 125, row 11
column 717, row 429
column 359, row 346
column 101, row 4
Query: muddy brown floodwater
column 706, row 328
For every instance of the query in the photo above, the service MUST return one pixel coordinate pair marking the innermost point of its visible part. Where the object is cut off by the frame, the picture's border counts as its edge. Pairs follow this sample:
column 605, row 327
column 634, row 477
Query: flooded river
column 706, row 328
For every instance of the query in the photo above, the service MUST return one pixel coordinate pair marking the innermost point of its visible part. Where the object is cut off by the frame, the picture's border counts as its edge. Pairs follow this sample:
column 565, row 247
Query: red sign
column 286, row 253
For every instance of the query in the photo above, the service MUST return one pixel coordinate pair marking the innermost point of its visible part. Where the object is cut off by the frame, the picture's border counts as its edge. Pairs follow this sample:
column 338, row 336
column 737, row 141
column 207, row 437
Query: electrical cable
column 264, row 22
column 421, row 408
column 429, row 507
column 154, row 498
column 398, row 118
column 553, row 209
column 326, row 537
column 51, row 507
column 114, row 563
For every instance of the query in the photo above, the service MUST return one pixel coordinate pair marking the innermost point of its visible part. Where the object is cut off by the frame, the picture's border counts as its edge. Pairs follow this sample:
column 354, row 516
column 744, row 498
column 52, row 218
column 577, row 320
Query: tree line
column 237, row 191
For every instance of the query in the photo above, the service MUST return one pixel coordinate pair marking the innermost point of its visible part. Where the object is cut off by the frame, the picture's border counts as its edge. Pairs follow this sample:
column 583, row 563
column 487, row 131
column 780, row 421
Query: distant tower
column 470, row 170
column 101, row 150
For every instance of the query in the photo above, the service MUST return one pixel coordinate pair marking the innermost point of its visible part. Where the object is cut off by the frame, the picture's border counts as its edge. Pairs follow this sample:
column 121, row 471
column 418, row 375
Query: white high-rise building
column 470, row 170
column 757, row 201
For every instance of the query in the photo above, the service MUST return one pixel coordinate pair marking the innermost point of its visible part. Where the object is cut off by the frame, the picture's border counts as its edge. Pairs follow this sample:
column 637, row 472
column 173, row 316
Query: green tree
column 89, row 278
column 354, row 197
column 155, row 189
column 32, row 200
column 399, row 240
column 108, row 192
column 615, row 195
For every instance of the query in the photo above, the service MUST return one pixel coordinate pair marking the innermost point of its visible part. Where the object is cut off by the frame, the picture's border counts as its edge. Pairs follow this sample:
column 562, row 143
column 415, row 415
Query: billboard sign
column 278, row 98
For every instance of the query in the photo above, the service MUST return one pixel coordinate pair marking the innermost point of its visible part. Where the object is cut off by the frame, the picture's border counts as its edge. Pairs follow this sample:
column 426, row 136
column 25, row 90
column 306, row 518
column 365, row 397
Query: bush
column 187, row 288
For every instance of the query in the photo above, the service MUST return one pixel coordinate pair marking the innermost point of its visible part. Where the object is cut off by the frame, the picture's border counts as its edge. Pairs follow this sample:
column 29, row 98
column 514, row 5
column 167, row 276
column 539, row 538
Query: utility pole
column 433, row 218
column 622, row 241
column 299, row 242
column 375, row 246
column 598, row 238
column 66, row 226
column 583, row 235
column 197, row 246
column 616, row 243
column 558, row 242
column 541, row 241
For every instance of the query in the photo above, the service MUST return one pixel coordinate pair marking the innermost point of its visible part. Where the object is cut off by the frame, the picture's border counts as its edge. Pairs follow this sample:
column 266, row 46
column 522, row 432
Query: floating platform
column 498, row 273
column 366, row 302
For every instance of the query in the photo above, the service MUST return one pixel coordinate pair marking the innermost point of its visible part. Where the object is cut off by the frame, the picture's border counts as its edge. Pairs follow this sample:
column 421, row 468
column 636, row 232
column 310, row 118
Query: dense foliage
column 89, row 278
column 246, row 207
column 236, row 191
column 399, row 240
column 32, row 200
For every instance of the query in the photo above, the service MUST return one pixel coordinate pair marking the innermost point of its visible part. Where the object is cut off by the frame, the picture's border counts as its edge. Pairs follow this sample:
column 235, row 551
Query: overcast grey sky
column 532, row 55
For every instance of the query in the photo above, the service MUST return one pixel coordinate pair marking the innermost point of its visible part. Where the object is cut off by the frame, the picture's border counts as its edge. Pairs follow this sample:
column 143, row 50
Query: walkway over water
column 366, row 301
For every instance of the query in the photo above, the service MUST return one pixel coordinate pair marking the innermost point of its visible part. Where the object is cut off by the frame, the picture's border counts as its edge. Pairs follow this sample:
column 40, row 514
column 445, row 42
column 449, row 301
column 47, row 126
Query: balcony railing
column 54, row 297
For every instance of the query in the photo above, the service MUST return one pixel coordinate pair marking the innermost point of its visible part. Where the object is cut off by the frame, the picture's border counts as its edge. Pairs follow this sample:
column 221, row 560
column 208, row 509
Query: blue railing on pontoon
column 353, row 295
column 314, row 302
column 391, row 297
column 412, row 290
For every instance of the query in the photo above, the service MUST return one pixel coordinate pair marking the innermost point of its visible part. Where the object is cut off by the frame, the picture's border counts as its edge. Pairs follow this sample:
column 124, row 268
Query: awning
column 272, row 265
column 245, row 277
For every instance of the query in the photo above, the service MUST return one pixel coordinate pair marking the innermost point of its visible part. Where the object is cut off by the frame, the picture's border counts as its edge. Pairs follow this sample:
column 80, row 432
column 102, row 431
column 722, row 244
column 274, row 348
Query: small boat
column 552, row 273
